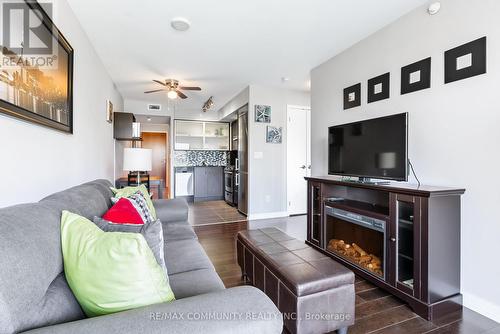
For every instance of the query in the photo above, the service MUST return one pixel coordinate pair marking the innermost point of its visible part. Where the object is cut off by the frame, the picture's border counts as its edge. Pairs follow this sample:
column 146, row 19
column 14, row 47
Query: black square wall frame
column 416, row 76
column 379, row 88
column 352, row 96
column 465, row 61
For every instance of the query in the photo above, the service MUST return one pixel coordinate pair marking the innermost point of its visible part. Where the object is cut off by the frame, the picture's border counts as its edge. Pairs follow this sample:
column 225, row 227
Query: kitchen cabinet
column 199, row 135
column 125, row 127
column 208, row 183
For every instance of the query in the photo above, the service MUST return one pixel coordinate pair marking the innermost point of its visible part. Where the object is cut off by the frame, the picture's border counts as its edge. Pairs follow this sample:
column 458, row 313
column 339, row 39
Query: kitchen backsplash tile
column 200, row 158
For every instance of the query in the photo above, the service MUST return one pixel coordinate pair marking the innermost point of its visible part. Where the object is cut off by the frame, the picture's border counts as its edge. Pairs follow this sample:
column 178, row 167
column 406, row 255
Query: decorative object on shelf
column 36, row 81
column 274, row 134
column 208, row 104
column 465, row 61
column 379, row 87
column 138, row 161
column 109, row 111
column 352, row 96
column 262, row 113
column 416, row 76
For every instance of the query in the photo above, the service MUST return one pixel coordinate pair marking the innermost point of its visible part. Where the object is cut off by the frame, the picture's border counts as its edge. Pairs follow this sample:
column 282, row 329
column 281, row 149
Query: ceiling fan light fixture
column 172, row 94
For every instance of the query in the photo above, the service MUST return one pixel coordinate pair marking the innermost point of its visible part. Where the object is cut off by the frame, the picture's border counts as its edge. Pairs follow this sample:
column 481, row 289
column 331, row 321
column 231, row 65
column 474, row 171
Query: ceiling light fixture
column 180, row 24
column 434, row 8
column 208, row 104
column 172, row 94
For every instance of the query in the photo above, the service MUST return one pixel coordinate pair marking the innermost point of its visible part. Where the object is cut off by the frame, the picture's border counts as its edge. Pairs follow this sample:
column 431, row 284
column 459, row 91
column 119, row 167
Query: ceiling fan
column 173, row 88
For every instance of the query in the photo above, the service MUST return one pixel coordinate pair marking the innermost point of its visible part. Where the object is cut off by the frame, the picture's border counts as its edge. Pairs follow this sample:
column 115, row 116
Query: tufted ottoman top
column 301, row 268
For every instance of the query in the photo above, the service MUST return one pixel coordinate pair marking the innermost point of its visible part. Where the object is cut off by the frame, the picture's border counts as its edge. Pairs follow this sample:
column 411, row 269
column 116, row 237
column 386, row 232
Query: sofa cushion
column 110, row 271
column 178, row 231
column 185, row 255
column 195, row 282
column 171, row 210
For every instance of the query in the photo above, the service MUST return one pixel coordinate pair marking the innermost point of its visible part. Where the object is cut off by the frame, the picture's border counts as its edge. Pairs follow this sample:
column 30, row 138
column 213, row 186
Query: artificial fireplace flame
column 357, row 255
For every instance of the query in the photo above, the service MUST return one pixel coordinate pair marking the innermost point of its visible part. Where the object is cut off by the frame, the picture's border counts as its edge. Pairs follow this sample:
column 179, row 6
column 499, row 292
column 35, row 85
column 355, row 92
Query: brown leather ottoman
column 314, row 293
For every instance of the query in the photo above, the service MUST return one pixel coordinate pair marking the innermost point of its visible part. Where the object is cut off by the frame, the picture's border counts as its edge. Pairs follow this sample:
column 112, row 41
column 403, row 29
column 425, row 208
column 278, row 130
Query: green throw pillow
column 129, row 191
column 110, row 271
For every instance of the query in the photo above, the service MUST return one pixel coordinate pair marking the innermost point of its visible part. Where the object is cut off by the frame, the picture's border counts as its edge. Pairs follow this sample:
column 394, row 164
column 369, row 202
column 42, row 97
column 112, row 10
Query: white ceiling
column 231, row 43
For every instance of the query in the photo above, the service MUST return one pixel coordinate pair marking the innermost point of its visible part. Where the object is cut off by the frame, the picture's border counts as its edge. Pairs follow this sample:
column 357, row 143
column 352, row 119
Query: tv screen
column 374, row 148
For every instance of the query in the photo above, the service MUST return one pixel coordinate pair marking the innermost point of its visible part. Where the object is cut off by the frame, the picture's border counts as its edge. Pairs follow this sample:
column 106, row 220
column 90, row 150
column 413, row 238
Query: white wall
column 453, row 133
column 37, row 161
column 238, row 101
column 267, row 176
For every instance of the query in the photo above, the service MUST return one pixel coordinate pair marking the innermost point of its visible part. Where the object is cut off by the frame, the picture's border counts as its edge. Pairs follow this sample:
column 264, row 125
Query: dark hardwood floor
column 376, row 311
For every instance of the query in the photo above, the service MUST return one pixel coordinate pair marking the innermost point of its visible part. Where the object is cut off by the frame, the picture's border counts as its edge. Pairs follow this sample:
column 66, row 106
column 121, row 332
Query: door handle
column 303, row 167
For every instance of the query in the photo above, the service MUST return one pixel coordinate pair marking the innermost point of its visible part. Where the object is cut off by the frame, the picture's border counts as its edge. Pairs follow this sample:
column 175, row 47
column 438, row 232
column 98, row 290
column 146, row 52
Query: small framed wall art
column 352, row 96
column 379, row 87
column 465, row 61
column 262, row 113
column 274, row 134
column 416, row 76
column 109, row 111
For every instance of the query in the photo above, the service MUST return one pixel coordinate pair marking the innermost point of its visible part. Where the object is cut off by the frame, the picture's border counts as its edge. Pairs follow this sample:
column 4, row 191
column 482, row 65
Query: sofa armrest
column 242, row 310
column 171, row 210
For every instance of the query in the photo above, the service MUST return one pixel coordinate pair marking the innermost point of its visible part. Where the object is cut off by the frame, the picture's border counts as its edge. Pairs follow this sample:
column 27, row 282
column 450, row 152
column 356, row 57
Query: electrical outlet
column 268, row 199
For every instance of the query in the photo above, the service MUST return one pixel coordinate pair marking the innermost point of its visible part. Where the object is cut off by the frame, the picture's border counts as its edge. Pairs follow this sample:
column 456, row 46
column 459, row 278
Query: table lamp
column 137, row 160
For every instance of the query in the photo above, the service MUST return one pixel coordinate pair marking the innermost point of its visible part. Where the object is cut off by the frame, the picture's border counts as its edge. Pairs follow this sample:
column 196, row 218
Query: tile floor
column 213, row 212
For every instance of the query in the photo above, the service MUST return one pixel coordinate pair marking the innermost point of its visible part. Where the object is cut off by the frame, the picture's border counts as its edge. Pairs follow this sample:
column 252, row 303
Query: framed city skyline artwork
column 36, row 76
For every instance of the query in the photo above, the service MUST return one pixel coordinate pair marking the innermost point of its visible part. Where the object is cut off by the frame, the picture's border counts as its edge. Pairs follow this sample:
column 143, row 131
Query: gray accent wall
column 453, row 133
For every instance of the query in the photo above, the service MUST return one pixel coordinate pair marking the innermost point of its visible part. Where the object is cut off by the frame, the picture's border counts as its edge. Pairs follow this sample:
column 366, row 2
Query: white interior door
column 298, row 158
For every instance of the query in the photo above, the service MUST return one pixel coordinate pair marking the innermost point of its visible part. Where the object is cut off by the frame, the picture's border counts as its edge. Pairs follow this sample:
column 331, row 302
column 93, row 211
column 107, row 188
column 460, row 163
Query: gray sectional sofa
column 35, row 297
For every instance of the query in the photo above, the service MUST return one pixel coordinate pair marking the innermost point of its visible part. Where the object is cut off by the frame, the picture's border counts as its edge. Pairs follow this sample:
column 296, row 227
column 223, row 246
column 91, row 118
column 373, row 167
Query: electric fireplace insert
column 356, row 238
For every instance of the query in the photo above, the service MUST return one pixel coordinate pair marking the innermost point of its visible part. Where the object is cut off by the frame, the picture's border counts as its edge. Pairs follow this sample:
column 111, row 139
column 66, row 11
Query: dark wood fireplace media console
column 403, row 238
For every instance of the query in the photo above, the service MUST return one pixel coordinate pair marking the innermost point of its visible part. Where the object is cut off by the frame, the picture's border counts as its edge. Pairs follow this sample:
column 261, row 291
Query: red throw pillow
column 123, row 212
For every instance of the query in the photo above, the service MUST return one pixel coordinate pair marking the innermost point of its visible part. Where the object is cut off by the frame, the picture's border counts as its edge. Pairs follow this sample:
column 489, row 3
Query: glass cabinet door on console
column 405, row 240
column 314, row 216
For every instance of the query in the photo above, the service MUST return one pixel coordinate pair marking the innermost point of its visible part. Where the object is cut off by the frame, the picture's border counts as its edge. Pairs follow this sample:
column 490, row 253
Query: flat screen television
column 374, row 148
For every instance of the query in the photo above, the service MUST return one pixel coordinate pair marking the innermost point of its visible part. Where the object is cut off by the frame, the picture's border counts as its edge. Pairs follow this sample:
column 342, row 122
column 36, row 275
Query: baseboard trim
column 267, row 215
column 482, row 306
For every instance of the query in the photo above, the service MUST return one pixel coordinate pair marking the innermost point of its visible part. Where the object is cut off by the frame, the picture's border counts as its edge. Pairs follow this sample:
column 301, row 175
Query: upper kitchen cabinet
column 198, row 135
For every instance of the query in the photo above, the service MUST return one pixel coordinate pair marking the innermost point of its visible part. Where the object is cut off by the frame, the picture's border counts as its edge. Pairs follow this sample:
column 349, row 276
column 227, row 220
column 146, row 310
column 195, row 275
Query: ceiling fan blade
column 161, row 83
column 153, row 91
column 189, row 88
column 181, row 94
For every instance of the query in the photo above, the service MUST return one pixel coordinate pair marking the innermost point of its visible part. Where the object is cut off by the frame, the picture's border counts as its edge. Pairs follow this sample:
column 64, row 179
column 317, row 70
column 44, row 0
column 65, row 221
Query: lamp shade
column 137, row 159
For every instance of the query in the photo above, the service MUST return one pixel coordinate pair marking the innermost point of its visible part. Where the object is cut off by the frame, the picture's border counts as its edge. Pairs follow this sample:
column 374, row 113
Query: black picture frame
column 352, row 96
column 63, row 105
column 383, row 81
column 473, row 53
column 416, row 76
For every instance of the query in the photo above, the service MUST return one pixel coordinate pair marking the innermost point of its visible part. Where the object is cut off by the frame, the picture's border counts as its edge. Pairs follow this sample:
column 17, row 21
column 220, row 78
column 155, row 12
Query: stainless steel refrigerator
column 242, row 160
